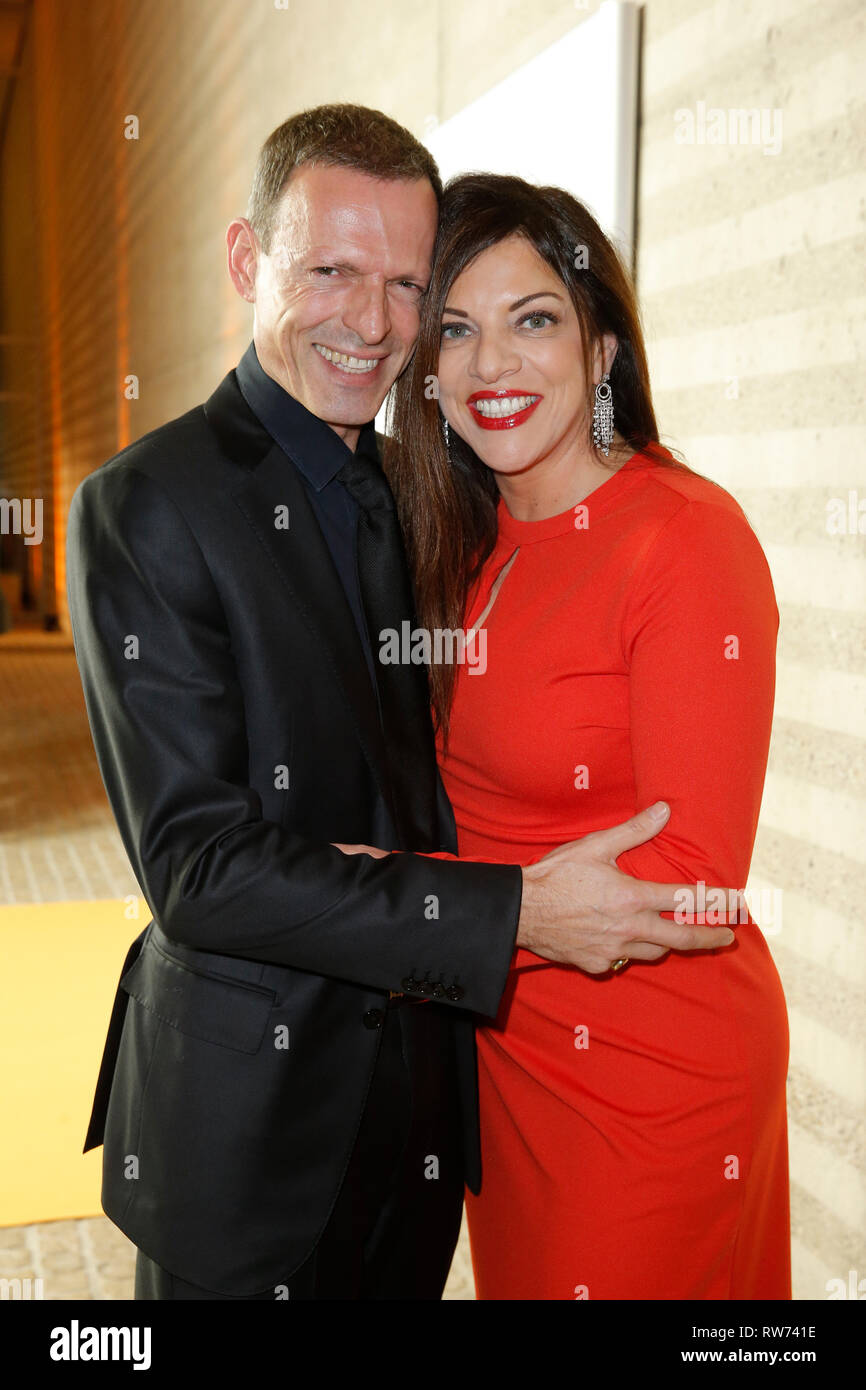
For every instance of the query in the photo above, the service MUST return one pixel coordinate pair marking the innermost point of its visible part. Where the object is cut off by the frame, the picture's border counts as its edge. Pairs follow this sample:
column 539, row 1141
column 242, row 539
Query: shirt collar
column 318, row 451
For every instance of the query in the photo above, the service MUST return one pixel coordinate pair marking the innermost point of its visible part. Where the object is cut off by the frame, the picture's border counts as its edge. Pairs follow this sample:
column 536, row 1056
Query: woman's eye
column 540, row 319
column 449, row 330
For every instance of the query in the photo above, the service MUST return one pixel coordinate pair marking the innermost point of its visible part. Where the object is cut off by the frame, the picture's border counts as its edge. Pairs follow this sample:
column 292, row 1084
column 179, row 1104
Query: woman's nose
column 494, row 357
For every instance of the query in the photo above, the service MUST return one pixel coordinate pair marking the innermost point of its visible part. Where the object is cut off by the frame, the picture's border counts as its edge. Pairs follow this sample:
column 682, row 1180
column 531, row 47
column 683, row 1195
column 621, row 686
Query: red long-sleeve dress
column 634, row 1140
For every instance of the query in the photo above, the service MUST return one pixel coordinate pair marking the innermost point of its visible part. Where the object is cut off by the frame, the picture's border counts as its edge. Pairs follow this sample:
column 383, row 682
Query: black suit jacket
column 237, row 734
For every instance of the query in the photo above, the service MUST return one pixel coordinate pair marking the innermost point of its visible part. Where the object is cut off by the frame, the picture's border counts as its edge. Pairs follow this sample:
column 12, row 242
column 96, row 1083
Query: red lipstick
column 502, row 422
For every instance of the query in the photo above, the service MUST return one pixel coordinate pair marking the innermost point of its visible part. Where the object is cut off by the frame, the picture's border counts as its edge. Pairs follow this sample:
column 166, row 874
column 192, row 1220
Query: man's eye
column 326, row 270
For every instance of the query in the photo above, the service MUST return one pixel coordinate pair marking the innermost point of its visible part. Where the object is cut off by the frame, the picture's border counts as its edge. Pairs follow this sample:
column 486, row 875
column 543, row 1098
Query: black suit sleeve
column 166, row 713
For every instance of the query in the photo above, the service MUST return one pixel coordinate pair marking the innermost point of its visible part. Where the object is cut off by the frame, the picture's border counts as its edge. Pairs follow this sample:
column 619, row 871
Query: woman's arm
column 700, row 639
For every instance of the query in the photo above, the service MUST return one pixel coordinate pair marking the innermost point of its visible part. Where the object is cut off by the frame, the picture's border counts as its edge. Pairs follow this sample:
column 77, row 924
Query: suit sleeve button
column 455, row 993
column 409, row 985
column 437, row 990
column 373, row 1018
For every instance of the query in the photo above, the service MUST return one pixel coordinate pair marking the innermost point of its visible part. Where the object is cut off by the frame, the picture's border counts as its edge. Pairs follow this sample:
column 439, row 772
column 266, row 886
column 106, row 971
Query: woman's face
column 511, row 369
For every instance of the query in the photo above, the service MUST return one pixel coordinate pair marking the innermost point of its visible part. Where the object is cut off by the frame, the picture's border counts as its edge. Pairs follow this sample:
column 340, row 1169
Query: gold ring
column 618, row 964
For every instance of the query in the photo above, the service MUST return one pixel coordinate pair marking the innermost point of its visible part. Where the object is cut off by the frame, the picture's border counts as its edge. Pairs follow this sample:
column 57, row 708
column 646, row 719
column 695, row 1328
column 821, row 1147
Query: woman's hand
column 362, row 849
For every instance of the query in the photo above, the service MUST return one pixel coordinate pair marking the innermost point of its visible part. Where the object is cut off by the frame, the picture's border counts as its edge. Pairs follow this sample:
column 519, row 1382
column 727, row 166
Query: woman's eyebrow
column 518, row 303
column 526, row 298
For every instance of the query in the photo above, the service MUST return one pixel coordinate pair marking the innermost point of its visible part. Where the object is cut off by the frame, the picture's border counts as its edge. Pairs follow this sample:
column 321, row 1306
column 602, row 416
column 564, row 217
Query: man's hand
column 579, row 909
column 362, row 849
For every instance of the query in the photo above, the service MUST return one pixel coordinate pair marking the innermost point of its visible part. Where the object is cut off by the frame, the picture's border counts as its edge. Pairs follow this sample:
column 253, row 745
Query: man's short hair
column 354, row 137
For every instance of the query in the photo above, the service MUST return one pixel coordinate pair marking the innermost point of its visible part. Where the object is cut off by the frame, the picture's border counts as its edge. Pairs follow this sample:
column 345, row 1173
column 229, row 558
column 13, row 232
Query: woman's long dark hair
column 448, row 511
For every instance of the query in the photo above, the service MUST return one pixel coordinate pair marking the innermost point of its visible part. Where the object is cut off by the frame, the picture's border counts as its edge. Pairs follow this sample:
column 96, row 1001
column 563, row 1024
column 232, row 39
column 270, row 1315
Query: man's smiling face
column 338, row 294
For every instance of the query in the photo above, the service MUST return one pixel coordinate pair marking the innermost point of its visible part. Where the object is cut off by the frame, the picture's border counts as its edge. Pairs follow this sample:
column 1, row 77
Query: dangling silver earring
column 602, row 416
column 447, row 442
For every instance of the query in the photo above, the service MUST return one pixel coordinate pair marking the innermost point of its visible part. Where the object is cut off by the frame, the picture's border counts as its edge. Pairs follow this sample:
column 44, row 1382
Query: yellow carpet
column 59, row 967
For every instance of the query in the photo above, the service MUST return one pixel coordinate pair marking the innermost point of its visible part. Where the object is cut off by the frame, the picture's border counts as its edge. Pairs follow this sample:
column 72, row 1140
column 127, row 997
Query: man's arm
column 578, row 908
column 167, row 716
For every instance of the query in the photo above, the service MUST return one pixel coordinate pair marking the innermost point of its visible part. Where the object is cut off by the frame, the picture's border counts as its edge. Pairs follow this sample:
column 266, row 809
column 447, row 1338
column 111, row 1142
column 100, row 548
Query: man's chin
column 349, row 413
column 351, row 405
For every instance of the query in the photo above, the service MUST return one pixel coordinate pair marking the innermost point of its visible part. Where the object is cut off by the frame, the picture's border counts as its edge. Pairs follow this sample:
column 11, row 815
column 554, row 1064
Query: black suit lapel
column 300, row 557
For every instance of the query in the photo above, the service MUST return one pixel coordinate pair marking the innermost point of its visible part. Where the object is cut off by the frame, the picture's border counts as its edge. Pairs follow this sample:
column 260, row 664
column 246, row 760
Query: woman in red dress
column 633, row 1123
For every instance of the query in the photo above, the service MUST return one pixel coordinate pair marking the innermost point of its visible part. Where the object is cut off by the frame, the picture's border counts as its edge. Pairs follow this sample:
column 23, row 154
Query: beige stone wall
column 749, row 269
column 750, row 272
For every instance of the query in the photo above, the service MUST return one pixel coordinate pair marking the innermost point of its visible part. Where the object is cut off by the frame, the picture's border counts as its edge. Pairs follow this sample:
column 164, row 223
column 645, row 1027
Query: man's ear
column 243, row 257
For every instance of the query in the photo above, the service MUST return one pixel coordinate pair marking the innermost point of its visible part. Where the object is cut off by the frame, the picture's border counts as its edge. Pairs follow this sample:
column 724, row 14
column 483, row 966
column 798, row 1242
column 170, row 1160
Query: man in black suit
column 287, row 1099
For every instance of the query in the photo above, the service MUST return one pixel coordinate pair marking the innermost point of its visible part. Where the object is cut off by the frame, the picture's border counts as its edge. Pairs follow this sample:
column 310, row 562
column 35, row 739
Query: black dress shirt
column 319, row 453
